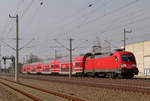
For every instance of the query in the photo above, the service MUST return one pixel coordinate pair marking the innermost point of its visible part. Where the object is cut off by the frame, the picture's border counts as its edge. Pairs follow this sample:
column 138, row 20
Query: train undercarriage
column 122, row 73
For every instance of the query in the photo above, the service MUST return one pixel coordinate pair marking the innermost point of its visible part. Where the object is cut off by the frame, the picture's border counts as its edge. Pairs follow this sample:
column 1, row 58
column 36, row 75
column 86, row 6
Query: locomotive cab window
column 127, row 58
column 90, row 57
column 116, row 58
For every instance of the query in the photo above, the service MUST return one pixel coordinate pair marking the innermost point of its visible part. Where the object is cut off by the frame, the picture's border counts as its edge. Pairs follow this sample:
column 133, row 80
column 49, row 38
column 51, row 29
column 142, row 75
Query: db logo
column 147, row 71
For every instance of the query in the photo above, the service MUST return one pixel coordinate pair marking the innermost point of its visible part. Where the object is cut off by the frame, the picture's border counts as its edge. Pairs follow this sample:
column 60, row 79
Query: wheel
column 113, row 75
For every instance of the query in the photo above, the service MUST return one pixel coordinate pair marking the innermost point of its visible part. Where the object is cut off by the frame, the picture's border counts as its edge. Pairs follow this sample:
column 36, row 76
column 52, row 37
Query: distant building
column 141, row 51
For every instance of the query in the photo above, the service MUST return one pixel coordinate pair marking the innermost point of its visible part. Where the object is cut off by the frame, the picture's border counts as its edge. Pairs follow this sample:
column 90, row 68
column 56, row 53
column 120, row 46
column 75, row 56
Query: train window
column 57, row 65
column 116, row 58
column 78, row 64
column 127, row 58
column 90, row 57
column 52, row 66
column 63, row 66
column 38, row 67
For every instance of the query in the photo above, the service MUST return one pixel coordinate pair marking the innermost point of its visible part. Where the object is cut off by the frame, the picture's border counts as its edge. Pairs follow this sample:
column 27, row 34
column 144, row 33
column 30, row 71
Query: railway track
column 34, row 98
column 131, row 85
column 11, row 84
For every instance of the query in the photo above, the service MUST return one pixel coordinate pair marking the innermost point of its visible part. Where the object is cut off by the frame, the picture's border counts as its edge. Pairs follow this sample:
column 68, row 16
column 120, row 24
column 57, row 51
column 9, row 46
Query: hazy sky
column 41, row 21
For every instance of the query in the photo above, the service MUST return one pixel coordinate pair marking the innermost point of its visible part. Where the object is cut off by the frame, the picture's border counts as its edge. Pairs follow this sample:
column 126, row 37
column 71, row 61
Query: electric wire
column 105, row 15
column 27, row 8
column 77, row 15
column 126, row 24
column 109, row 13
column 27, row 44
column 8, row 45
column 9, row 25
column 32, row 19
column 122, row 19
column 114, row 11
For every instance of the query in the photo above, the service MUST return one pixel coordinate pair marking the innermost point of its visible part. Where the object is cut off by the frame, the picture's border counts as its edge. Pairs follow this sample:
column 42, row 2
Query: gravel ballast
column 7, row 94
column 88, row 93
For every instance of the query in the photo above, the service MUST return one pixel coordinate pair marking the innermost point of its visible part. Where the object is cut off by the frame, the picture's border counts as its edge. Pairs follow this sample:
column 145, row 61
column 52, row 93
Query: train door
column 116, row 62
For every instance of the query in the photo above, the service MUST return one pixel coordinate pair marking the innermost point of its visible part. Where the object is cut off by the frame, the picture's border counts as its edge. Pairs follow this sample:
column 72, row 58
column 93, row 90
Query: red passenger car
column 55, row 66
column 116, row 64
column 46, row 67
column 24, row 69
column 78, row 65
column 28, row 66
column 64, row 69
column 39, row 67
column 33, row 68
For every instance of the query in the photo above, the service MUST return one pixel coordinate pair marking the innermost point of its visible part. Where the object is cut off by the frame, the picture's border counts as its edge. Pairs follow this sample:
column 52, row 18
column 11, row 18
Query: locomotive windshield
column 127, row 58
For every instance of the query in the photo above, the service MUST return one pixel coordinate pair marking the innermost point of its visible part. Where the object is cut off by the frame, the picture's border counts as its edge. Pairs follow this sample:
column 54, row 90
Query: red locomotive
column 116, row 64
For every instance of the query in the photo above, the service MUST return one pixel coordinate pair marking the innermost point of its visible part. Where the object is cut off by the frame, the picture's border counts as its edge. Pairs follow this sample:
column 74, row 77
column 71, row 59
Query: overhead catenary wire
column 130, row 23
column 78, row 26
column 8, row 45
column 109, row 27
column 61, row 44
column 15, row 12
column 27, row 44
column 125, row 18
column 72, row 49
column 119, row 20
column 9, row 25
column 27, row 8
column 20, row 2
column 100, row 17
column 78, row 15
column 126, row 24
column 113, row 11
column 79, row 45
column 114, row 26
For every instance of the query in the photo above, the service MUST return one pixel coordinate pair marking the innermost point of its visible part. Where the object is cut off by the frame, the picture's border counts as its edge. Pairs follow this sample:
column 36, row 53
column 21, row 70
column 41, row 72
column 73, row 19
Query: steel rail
column 34, row 98
column 98, row 85
column 121, row 87
column 66, row 96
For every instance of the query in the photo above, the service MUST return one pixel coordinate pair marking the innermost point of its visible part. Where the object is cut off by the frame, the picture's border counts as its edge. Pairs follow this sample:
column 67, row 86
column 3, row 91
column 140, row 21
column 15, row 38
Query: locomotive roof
column 102, row 55
column 123, row 52
column 79, row 58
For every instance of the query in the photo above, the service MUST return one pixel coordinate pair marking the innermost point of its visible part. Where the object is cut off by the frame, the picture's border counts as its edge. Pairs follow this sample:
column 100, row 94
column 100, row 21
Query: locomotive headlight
column 133, row 65
column 123, row 65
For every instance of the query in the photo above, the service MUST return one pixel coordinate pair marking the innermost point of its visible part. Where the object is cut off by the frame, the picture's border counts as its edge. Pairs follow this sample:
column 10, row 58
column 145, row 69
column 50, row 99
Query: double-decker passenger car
column 116, row 64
